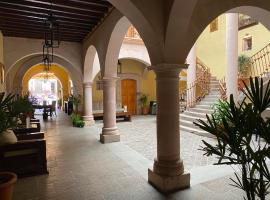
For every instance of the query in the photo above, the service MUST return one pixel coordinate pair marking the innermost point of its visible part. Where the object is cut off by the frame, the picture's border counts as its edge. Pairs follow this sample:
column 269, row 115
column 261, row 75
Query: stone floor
column 140, row 135
column 81, row 168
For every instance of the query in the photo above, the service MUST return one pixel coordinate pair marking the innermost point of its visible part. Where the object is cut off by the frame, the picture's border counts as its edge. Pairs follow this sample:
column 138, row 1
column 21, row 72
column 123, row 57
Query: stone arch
column 142, row 60
column 19, row 69
column 205, row 12
column 187, row 20
column 91, row 64
column 259, row 14
column 114, row 46
column 147, row 23
column 58, row 72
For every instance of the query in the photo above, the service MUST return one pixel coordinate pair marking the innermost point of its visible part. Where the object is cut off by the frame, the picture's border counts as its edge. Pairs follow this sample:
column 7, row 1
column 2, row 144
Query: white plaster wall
column 134, row 51
column 17, row 48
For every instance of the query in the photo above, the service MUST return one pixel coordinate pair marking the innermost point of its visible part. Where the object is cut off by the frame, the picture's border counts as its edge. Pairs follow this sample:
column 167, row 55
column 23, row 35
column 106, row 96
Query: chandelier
column 51, row 39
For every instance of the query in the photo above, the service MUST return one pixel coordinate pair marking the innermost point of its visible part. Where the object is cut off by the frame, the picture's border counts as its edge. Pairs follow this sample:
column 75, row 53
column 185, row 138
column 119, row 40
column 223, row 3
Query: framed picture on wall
column 2, row 73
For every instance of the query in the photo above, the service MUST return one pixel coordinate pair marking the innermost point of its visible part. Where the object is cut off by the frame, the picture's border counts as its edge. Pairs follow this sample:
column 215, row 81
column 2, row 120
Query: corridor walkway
column 81, row 168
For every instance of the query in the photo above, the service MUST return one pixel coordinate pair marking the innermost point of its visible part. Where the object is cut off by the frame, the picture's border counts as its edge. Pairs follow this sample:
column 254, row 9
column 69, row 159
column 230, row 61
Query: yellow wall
column 211, row 46
column 59, row 72
column 148, row 83
column 97, row 94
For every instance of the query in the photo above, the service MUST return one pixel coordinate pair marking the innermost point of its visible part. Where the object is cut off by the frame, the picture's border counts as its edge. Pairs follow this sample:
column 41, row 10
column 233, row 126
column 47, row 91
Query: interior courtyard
column 121, row 100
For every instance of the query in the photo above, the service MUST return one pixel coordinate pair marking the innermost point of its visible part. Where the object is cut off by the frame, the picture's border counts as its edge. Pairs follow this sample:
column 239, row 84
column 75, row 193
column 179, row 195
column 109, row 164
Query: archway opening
column 46, row 87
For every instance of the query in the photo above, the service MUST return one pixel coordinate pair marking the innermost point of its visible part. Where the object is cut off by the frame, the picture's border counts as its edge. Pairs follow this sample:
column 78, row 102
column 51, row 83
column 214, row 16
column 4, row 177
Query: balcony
column 133, row 36
column 246, row 21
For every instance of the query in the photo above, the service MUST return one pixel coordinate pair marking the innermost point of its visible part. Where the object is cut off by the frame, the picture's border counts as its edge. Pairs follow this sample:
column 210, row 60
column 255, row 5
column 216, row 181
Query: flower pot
column 7, row 137
column 145, row 110
column 7, row 182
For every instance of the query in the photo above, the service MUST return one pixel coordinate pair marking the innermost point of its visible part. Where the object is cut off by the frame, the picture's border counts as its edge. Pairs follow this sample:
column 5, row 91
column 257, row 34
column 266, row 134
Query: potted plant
column 243, row 139
column 77, row 120
column 8, row 116
column 7, row 182
column 143, row 102
column 76, row 102
column 23, row 107
column 8, row 121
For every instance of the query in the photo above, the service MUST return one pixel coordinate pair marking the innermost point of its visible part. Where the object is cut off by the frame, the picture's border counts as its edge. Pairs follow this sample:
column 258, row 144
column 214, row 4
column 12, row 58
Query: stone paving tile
column 140, row 135
column 81, row 168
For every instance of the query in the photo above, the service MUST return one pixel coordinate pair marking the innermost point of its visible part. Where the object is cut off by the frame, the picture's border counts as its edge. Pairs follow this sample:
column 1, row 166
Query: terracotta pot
column 145, row 110
column 7, row 182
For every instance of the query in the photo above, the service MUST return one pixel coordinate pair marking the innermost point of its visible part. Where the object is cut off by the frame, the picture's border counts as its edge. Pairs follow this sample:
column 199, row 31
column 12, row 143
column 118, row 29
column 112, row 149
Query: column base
column 109, row 135
column 88, row 120
column 167, row 184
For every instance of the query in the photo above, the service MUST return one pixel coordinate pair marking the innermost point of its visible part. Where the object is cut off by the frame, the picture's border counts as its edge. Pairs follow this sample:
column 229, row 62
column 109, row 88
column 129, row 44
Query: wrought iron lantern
column 51, row 39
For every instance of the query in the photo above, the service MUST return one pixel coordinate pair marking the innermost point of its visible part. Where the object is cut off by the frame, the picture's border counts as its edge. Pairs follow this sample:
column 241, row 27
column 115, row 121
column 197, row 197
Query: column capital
column 109, row 80
column 88, row 84
column 165, row 67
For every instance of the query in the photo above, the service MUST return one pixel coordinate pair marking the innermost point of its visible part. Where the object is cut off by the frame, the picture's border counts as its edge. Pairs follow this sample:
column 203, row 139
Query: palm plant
column 243, row 139
column 7, row 112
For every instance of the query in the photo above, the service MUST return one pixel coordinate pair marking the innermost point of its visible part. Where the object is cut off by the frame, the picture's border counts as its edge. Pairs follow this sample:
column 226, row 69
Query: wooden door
column 129, row 95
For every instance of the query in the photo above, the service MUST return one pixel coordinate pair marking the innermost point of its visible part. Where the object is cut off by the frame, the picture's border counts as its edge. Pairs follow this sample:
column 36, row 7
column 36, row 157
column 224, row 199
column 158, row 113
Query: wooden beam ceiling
column 25, row 18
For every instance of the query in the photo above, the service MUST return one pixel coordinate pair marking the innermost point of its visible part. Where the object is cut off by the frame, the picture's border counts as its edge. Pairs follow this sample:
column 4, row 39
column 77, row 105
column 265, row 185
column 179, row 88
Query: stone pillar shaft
column 109, row 130
column 168, row 165
column 232, row 54
column 88, row 113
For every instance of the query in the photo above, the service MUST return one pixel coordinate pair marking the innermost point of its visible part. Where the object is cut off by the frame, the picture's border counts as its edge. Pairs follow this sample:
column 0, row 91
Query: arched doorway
column 47, row 86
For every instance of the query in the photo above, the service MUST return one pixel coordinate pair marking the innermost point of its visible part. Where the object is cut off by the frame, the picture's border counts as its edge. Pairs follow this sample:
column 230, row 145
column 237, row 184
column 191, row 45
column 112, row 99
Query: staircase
column 200, row 110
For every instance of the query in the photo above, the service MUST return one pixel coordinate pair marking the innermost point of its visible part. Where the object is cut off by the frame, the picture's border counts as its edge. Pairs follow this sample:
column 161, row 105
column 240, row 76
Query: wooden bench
column 126, row 116
column 30, row 136
column 25, row 158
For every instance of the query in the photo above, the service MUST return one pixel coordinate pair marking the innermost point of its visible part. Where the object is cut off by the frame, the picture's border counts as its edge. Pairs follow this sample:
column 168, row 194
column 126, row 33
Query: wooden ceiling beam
column 9, row 18
column 38, row 27
column 45, row 9
column 29, row 35
column 76, row 5
column 39, row 17
column 43, row 15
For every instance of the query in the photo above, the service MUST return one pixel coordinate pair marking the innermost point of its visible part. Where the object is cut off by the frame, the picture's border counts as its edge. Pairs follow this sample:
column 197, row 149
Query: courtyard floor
column 81, row 168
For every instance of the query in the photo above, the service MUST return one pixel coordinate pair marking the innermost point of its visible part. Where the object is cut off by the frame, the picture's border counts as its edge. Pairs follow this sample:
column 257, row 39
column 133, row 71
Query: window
column 247, row 43
column 214, row 25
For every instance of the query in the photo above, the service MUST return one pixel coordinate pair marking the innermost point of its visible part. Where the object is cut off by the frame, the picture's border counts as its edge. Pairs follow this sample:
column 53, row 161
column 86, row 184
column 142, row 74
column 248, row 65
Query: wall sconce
column 119, row 67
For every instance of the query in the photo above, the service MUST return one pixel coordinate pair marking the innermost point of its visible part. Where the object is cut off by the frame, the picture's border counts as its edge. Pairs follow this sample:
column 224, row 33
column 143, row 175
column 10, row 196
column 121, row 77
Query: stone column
column 88, row 114
column 232, row 54
column 191, row 73
column 109, row 131
column 168, row 171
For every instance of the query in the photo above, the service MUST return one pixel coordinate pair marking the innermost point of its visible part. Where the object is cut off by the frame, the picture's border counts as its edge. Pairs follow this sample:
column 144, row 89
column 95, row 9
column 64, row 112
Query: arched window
column 214, row 25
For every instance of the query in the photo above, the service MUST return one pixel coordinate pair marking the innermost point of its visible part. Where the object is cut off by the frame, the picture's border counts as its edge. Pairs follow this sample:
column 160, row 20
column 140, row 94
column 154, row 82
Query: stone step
column 207, row 102
column 186, row 123
column 187, row 117
column 214, row 99
column 196, row 131
column 201, row 110
column 195, row 114
column 204, row 106
column 214, row 87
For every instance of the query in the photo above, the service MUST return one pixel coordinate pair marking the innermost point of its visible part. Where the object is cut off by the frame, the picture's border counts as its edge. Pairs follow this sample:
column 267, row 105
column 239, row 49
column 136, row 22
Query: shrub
column 243, row 139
